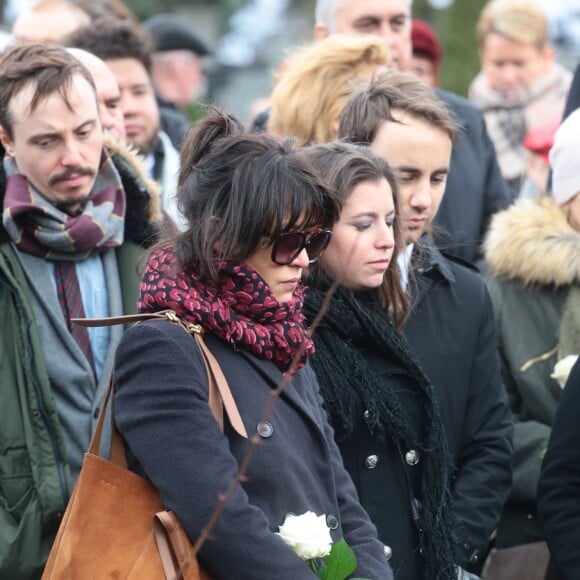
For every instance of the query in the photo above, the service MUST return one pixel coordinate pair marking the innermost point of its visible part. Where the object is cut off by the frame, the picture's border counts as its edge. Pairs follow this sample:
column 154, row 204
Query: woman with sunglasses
column 258, row 215
column 383, row 408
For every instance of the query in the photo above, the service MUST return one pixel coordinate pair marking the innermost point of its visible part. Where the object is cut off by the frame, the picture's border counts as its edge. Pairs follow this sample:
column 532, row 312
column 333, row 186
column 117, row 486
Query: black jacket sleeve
column 483, row 474
column 573, row 100
column 559, row 485
column 475, row 188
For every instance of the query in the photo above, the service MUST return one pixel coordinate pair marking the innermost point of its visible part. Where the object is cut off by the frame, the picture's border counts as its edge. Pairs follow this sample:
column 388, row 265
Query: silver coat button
column 366, row 415
column 371, row 461
column 265, row 429
column 388, row 552
column 412, row 457
column 332, row 521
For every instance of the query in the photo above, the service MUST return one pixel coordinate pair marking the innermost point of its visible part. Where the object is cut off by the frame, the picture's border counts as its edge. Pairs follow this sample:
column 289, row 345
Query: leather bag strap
column 220, row 395
column 170, row 543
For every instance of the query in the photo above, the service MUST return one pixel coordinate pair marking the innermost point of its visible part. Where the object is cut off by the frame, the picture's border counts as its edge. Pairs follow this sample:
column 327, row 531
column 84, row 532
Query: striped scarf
column 38, row 227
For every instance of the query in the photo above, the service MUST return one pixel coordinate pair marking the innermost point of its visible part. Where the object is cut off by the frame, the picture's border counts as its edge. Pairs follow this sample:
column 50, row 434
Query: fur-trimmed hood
column 533, row 242
column 134, row 161
column 143, row 212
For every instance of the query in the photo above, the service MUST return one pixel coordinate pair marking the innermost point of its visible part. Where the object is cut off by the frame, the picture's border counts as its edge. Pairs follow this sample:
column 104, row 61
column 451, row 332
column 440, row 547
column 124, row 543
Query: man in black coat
column 451, row 325
column 475, row 188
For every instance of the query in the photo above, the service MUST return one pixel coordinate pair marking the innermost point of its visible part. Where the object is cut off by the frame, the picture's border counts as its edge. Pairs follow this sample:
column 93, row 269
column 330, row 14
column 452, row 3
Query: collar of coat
column 533, row 242
column 133, row 163
column 143, row 195
column 428, row 260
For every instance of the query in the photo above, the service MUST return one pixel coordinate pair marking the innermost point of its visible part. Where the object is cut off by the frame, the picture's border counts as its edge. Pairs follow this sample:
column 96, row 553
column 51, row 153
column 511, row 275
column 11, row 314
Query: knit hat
column 565, row 159
column 425, row 42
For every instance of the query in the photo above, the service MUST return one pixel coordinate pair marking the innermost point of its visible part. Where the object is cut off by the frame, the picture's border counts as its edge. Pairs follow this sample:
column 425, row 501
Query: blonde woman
column 317, row 81
column 520, row 84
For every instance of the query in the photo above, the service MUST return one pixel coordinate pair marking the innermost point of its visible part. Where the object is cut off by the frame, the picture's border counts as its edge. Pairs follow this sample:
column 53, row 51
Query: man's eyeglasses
column 287, row 247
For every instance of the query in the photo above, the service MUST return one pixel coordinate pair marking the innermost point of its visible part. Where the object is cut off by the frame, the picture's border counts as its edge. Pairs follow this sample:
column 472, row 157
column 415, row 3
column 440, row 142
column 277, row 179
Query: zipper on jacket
column 42, row 409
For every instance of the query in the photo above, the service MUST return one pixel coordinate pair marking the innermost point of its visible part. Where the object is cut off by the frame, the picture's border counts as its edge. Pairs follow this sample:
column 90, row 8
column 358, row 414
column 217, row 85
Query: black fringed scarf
column 343, row 374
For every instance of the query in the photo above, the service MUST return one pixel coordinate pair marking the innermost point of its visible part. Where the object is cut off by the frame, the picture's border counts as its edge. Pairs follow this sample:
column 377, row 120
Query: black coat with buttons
column 452, row 330
column 387, row 425
column 388, row 479
column 161, row 409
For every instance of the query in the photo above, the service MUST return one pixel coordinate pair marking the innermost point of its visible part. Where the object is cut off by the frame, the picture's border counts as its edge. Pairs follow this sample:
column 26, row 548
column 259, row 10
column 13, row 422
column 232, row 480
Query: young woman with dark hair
column 384, row 410
column 258, row 215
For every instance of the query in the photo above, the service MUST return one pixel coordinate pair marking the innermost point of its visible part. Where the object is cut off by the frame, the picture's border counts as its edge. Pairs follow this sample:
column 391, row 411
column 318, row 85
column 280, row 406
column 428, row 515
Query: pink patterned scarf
column 242, row 311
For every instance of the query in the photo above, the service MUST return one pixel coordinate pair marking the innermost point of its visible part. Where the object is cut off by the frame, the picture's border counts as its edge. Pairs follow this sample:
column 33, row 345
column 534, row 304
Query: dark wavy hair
column 239, row 191
column 114, row 39
column 344, row 166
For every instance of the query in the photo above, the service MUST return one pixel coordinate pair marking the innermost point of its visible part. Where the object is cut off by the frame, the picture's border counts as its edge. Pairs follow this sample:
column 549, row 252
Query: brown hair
column 343, row 167
column 367, row 110
column 107, row 9
column 50, row 68
column 316, row 82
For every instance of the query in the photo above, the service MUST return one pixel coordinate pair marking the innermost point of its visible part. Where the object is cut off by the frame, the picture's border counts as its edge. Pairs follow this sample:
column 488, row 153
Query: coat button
column 332, row 521
column 265, row 429
column 366, row 416
column 388, row 552
column 371, row 461
column 412, row 457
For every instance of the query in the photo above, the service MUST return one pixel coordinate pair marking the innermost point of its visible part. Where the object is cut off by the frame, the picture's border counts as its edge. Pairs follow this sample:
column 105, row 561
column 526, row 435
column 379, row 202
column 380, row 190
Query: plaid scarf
column 38, row 227
column 241, row 310
column 509, row 117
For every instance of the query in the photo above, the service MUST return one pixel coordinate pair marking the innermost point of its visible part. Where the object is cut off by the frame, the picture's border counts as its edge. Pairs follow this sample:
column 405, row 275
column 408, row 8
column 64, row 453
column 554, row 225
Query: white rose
column 563, row 367
column 308, row 535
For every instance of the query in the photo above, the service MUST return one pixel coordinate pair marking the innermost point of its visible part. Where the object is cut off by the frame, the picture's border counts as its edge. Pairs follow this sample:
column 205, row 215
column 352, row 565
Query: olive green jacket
column 35, row 481
column 534, row 260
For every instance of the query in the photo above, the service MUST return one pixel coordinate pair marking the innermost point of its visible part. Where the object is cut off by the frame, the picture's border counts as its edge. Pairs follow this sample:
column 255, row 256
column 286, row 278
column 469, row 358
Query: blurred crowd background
column 249, row 39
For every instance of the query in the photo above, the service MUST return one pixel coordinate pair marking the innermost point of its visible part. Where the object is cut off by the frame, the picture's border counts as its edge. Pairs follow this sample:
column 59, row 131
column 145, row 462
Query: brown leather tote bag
column 115, row 524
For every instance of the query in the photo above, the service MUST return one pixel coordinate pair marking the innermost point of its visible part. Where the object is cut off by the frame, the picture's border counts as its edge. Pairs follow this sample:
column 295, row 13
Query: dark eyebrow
column 40, row 136
column 85, row 125
column 364, row 214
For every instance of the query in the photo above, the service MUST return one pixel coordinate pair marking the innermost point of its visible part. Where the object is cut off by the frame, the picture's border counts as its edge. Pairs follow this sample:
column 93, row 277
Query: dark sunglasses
column 287, row 247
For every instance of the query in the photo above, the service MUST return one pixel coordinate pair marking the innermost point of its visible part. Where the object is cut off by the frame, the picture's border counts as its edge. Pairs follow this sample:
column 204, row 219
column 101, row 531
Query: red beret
column 425, row 42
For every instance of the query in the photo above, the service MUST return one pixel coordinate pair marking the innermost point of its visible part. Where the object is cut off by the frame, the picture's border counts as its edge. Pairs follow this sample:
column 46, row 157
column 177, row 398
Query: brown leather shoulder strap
column 220, row 395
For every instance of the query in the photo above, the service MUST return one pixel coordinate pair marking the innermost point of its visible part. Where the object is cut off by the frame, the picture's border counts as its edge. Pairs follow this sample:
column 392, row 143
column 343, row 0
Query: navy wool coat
column 451, row 328
column 161, row 409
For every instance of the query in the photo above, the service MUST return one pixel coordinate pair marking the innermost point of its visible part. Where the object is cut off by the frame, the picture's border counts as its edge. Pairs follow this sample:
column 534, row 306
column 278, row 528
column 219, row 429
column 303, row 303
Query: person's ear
column 549, row 53
column 334, row 127
column 6, row 141
column 320, row 31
